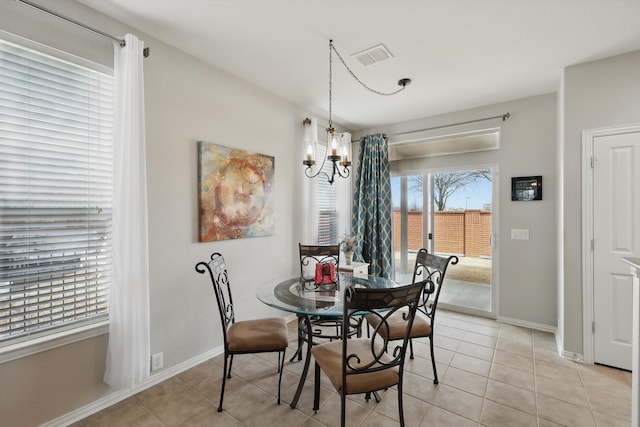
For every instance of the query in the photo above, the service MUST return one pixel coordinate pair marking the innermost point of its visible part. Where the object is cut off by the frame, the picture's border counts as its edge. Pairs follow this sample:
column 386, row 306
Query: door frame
column 588, row 140
column 495, row 233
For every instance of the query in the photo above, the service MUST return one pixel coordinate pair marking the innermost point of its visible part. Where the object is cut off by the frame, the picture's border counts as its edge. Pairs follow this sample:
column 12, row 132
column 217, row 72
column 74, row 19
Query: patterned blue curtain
column 371, row 220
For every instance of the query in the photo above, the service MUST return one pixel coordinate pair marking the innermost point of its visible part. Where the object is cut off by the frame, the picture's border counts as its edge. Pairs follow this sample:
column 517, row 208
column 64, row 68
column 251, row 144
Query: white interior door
column 616, row 232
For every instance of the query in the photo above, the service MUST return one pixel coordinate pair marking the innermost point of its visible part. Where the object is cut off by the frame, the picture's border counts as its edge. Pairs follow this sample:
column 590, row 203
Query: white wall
column 527, row 269
column 186, row 101
column 596, row 94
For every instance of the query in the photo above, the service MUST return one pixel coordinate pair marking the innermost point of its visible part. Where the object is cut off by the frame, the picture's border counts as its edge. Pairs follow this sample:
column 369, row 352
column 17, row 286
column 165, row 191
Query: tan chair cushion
column 268, row 334
column 398, row 326
column 329, row 357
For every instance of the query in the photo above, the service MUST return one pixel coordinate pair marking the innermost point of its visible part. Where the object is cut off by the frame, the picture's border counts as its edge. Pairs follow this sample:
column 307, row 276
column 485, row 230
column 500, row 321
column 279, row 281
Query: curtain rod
column 121, row 42
column 504, row 117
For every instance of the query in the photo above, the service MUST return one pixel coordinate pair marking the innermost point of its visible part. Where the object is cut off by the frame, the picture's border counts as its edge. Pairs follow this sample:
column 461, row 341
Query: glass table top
column 297, row 296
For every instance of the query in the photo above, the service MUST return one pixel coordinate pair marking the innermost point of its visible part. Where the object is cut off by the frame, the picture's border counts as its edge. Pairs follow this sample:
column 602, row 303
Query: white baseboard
column 531, row 325
column 120, row 395
column 576, row 357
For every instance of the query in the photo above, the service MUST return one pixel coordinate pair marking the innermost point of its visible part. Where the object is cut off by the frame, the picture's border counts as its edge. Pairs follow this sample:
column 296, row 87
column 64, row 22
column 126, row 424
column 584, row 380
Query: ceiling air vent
column 373, row 55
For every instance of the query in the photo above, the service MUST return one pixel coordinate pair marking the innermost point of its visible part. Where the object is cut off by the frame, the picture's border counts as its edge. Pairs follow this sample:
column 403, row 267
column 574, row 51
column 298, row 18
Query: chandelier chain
column 340, row 160
column 330, row 79
column 332, row 47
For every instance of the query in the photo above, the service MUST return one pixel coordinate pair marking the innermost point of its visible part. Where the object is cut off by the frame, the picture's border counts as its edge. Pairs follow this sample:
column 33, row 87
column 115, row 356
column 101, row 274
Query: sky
column 472, row 196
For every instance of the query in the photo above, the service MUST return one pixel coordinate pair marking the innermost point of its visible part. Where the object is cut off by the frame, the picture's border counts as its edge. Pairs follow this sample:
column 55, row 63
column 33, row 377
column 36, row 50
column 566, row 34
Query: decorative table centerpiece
column 348, row 245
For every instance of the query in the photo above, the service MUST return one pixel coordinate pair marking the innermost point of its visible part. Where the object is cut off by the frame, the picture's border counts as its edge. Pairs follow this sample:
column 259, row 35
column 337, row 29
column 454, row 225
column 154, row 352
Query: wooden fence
column 465, row 233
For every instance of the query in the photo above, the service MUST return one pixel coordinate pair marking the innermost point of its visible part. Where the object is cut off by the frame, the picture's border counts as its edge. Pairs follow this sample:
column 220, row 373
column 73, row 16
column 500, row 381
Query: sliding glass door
column 411, row 225
column 448, row 213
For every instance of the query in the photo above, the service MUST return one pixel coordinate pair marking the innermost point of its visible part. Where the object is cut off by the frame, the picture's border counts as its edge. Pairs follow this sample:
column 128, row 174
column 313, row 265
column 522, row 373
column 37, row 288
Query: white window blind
column 326, row 202
column 56, row 159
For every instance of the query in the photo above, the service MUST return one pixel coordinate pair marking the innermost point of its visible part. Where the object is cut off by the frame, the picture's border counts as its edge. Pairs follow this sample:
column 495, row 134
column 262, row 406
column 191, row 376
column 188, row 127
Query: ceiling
column 459, row 53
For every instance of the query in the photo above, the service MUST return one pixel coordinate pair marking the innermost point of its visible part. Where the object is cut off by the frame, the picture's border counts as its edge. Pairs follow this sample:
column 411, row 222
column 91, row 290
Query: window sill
column 51, row 341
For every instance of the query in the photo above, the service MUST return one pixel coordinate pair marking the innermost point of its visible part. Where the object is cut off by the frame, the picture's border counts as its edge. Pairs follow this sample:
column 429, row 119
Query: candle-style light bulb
column 309, row 152
column 334, row 146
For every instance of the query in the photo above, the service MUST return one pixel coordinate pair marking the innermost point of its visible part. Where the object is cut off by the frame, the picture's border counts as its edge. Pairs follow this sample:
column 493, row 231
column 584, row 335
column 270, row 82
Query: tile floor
column 491, row 374
column 476, row 296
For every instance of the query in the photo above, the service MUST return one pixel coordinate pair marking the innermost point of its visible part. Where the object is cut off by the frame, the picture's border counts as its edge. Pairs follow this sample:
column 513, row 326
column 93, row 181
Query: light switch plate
column 520, row 234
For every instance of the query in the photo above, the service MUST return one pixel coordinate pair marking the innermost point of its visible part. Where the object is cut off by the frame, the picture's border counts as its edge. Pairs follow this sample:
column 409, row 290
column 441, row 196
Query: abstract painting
column 236, row 191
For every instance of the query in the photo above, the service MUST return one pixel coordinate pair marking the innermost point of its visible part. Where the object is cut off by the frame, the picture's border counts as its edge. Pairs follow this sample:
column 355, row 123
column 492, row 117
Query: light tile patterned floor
column 491, row 374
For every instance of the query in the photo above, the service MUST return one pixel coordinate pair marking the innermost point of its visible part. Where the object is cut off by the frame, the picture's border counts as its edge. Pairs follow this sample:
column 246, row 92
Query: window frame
column 93, row 326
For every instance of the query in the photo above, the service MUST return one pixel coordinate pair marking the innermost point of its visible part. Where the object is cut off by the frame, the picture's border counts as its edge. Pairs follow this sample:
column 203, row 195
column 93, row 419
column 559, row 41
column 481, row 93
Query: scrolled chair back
column 382, row 303
column 431, row 269
column 310, row 255
column 217, row 270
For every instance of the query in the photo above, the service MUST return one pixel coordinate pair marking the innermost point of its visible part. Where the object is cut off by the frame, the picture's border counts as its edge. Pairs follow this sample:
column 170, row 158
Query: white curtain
column 345, row 194
column 128, row 357
column 310, row 217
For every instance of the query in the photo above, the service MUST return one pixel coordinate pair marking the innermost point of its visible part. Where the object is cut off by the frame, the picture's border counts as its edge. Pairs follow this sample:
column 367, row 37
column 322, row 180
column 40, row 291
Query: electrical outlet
column 156, row 361
column 520, row 234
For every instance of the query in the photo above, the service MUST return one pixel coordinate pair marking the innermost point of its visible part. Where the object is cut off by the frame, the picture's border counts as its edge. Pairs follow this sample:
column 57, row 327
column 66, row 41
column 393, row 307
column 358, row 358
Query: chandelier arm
column 345, row 169
column 308, row 171
column 309, row 174
column 335, row 170
column 331, row 46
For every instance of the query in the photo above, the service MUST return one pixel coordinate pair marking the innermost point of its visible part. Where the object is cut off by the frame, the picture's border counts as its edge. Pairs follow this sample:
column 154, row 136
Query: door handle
column 492, row 240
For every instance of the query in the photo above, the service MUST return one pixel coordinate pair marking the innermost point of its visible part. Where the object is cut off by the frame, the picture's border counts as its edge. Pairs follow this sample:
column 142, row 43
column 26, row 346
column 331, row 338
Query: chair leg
column 301, row 340
column 224, row 381
column 281, row 358
column 301, row 336
column 230, row 365
column 433, row 361
column 400, row 408
column 316, row 389
column 410, row 348
column 343, row 408
column 376, row 396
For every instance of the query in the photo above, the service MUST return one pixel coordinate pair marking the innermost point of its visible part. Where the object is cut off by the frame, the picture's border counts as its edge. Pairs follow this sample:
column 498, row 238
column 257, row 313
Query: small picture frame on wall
column 526, row 188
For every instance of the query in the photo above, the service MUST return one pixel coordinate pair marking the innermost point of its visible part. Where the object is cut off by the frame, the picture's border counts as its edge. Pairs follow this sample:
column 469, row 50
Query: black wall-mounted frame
column 525, row 188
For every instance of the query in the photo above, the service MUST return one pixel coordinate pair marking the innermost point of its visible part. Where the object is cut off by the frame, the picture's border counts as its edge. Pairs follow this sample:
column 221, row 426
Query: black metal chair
column 321, row 327
column 310, row 255
column 325, row 327
column 250, row 336
column 362, row 365
column 432, row 269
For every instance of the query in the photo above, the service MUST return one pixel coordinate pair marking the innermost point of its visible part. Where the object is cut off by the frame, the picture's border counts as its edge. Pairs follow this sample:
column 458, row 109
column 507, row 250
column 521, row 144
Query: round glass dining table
column 305, row 297
column 310, row 300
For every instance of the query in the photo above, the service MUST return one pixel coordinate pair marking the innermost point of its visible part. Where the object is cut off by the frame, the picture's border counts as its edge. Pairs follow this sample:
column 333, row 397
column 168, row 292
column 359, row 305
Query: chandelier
column 338, row 148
